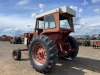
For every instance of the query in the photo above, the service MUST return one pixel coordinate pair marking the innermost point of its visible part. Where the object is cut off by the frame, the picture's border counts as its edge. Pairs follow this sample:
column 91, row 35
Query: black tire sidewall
column 18, row 54
column 47, row 52
column 74, row 45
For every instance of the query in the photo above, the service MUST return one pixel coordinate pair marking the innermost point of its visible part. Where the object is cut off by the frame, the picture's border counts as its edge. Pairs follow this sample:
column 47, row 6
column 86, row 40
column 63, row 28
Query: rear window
column 64, row 24
column 49, row 22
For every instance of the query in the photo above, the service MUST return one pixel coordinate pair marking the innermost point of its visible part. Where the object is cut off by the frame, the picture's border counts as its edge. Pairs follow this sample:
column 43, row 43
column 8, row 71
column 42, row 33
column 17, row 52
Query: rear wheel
column 74, row 46
column 43, row 53
column 16, row 54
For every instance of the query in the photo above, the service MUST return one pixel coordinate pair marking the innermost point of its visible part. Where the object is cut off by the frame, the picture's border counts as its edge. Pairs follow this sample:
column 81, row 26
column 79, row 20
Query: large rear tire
column 74, row 46
column 43, row 53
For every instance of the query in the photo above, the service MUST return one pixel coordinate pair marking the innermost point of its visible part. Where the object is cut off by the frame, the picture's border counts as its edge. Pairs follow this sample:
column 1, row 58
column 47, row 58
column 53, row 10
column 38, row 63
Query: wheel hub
column 39, row 53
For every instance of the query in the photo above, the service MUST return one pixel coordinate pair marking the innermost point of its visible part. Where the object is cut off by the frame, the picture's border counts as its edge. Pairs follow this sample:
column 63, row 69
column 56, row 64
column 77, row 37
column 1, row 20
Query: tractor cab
column 57, row 20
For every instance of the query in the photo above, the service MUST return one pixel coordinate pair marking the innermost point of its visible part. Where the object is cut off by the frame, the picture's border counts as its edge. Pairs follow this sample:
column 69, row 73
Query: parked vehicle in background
column 83, row 40
column 79, row 40
column 86, row 42
column 5, row 38
column 15, row 40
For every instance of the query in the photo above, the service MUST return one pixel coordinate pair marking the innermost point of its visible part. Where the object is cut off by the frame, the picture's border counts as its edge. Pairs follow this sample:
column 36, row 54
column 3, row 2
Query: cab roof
column 64, row 9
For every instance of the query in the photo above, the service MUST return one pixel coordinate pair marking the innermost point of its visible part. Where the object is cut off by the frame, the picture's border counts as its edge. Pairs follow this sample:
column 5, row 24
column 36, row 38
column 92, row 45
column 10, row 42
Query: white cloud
column 91, row 20
column 17, row 30
column 8, row 29
column 95, row 1
column 89, row 25
column 15, row 20
column 22, row 2
column 80, row 10
column 97, row 10
column 77, row 27
column 15, row 23
column 41, row 6
column 41, row 10
column 33, row 15
column 85, row 2
column 76, row 9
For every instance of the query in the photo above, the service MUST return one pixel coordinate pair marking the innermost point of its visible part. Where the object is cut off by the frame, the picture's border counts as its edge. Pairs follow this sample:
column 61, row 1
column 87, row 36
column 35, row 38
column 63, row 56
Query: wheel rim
column 39, row 54
column 14, row 54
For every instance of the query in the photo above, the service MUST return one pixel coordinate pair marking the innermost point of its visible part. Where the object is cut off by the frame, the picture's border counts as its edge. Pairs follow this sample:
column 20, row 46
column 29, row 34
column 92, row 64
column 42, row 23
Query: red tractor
column 50, row 39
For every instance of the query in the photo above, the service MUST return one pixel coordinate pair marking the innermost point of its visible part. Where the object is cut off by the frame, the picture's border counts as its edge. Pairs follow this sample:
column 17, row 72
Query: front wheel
column 16, row 54
column 43, row 54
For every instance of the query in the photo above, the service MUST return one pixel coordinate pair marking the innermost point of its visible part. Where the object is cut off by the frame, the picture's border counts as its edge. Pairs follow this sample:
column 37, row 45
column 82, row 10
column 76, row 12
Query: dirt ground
column 86, row 63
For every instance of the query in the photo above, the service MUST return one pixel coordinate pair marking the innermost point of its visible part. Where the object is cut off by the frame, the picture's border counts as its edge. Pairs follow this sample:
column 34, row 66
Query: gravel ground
column 86, row 63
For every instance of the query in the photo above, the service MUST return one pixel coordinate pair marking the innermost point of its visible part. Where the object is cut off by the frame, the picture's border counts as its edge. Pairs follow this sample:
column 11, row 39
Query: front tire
column 16, row 54
column 43, row 53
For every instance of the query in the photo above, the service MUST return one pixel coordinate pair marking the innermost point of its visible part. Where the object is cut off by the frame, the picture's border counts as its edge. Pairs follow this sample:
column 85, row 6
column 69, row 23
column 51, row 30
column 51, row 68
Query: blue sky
column 17, row 16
